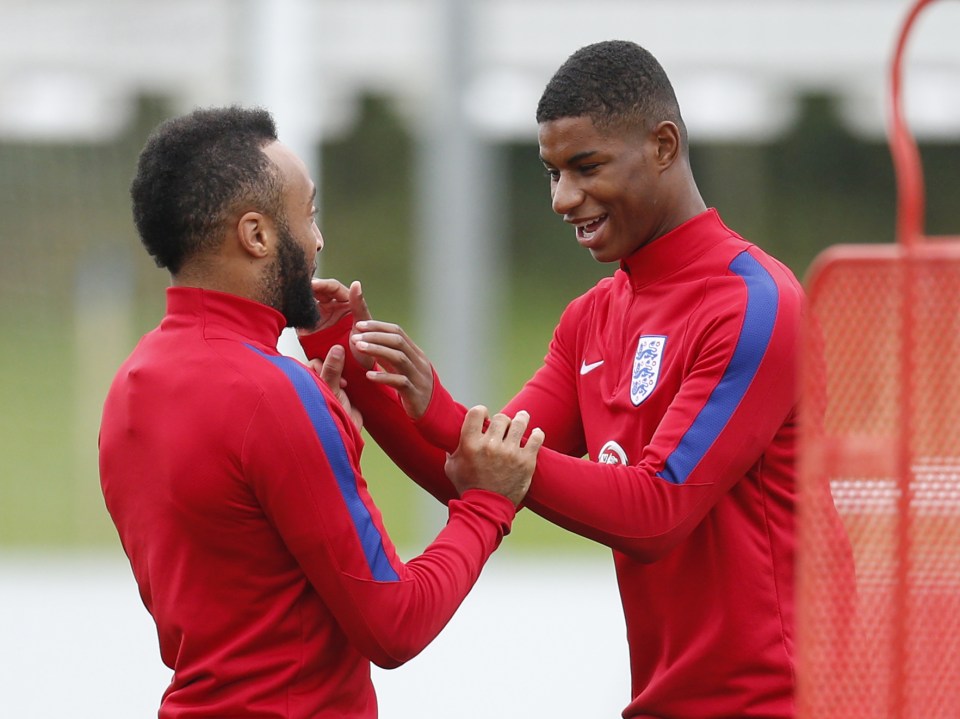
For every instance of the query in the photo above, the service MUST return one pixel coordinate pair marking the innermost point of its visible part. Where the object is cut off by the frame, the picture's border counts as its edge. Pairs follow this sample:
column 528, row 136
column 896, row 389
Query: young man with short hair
column 677, row 377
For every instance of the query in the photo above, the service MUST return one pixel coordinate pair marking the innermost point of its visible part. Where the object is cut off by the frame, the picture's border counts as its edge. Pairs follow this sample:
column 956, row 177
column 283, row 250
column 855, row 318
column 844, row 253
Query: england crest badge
column 646, row 367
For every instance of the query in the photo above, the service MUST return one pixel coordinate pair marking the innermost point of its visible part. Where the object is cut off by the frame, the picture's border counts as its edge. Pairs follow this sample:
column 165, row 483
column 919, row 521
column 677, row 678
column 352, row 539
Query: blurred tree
column 367, row 208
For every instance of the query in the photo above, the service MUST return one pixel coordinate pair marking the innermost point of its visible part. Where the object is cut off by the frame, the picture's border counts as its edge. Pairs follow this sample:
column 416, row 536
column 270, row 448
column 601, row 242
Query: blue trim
column 329, row 435
column 761, row 314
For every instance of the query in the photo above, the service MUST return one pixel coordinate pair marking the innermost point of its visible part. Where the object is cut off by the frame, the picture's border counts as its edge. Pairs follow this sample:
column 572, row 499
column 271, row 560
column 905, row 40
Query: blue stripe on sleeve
column 324, row 425
column 759, row 318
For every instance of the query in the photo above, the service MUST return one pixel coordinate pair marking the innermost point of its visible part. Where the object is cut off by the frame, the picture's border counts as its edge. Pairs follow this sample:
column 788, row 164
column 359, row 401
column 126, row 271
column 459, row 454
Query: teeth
column 586, row 233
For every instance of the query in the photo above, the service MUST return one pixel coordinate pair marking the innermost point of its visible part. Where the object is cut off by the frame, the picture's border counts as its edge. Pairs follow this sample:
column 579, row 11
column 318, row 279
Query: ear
column 255, row 234
column 668, row 139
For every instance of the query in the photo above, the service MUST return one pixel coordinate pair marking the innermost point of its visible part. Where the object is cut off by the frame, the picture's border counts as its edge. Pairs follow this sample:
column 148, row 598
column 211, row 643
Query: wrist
column 316, row 344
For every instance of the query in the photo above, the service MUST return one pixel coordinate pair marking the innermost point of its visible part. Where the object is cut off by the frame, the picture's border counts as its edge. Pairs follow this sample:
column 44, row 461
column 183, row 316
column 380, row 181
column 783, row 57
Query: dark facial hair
column 288, row 286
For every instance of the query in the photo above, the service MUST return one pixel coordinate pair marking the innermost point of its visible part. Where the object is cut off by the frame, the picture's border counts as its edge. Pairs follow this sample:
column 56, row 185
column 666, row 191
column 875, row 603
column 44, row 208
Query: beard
column 286, row 285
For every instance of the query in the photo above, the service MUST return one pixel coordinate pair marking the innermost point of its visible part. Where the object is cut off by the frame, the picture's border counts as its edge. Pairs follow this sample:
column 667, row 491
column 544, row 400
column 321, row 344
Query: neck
column 208, row 275
column 689, row 202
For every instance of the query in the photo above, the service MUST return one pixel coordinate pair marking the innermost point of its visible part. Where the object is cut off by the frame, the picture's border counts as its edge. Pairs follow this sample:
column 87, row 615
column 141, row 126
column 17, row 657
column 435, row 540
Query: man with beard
column 232, row 472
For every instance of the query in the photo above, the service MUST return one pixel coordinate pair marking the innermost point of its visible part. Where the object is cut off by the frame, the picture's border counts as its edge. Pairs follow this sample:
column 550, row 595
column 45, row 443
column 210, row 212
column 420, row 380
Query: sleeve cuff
column 316, row 344
column 440, row 424
column 494, row 506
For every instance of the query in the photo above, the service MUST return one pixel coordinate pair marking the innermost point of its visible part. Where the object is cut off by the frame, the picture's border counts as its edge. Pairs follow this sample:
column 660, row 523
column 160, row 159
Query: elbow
column 393, row 654
column 388, row 662
column 391, row 622
column 393, row 643
column 647, row 555
column 650, row 549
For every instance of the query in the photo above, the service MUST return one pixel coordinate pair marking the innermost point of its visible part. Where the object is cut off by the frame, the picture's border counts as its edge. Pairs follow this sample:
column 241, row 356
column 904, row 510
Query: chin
column 603, row 257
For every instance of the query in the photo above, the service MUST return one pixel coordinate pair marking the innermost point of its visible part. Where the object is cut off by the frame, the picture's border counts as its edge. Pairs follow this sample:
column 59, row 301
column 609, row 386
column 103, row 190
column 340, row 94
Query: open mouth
column 587, row 230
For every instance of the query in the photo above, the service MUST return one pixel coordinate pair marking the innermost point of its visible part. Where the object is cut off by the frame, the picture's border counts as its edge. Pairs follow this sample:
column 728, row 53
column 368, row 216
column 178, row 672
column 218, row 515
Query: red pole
column 903, row 146
column 910, row 221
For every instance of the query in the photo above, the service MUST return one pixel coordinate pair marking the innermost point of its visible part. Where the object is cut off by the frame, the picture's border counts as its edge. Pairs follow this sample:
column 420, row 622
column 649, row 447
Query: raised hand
column 333, row 302
column 403, row 365
column 495, row 458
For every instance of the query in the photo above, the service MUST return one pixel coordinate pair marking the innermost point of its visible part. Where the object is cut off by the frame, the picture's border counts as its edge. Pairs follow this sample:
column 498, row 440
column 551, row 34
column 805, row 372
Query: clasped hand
column 492, row 453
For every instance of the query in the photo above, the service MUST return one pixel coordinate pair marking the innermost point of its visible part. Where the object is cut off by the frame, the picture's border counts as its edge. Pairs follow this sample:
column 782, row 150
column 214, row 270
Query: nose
column 319, row 239
column 566, row 195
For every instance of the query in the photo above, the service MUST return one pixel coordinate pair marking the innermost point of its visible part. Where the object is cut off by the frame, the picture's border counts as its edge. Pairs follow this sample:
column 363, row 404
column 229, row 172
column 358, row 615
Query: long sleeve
column 737, row 390
column 302, row 455
column 669, row 400
column 232, row 475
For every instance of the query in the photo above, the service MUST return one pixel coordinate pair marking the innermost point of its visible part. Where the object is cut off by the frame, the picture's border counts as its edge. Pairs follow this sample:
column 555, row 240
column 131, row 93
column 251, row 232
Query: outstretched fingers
column 386, row 342
column 402, row 364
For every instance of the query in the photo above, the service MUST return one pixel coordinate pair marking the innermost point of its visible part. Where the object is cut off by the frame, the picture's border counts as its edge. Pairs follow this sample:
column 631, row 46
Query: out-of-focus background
column 417, row 119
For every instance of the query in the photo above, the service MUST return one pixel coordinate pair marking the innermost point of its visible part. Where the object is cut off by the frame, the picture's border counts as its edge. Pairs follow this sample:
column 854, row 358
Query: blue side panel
column 326, row 428
column 761, row 314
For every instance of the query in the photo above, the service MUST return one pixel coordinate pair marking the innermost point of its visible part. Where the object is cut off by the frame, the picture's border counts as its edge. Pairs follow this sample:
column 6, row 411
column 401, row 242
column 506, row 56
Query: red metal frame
column 916, row 257
column 903, row 147
column 910, row 236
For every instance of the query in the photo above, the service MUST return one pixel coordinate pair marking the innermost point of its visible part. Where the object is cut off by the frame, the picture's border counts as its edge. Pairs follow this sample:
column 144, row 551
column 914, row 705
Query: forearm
column 391, row 622
column 633, row 509
column 628, row 509
column 306, row 479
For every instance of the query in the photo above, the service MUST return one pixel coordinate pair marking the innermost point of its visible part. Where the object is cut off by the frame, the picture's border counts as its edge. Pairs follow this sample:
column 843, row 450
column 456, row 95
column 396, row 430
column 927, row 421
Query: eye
column 588, row 169
column 554, row 175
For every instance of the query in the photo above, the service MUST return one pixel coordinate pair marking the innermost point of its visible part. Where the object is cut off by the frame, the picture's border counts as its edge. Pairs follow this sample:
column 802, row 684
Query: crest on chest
column 646, row 367
column 612, row 453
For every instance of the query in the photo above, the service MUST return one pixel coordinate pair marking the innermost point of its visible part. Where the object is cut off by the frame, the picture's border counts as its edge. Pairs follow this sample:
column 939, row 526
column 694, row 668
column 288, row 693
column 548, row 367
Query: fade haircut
column 194, row 172
column 615, row 83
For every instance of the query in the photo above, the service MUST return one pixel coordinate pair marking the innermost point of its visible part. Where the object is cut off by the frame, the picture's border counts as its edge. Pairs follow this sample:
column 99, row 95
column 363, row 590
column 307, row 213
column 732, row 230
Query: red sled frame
column 880, row 438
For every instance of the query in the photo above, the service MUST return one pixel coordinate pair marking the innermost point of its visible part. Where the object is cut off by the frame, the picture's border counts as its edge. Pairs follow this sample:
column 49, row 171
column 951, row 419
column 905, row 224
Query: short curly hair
column 614, row 83
column 197, row 169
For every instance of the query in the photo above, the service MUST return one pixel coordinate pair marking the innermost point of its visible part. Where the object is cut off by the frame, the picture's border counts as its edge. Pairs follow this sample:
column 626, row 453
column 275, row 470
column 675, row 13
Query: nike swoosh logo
column 587, row 368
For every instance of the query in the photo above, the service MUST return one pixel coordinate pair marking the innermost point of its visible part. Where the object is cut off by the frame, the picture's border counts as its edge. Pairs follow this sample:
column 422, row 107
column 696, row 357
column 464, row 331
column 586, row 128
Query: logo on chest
column 646, row 367
column 612, row 453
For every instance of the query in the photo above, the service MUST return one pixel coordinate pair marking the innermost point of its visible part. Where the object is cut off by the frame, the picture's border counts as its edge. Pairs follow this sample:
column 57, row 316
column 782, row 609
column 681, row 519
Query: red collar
column 224, row 315
column 675, row 249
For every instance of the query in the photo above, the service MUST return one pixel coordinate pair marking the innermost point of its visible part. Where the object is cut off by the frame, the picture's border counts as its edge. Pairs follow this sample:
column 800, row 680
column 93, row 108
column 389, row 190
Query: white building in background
column 72, row 67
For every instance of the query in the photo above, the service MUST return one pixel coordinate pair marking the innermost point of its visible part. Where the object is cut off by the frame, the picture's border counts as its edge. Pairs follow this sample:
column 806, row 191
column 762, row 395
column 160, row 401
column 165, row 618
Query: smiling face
column 608, row 183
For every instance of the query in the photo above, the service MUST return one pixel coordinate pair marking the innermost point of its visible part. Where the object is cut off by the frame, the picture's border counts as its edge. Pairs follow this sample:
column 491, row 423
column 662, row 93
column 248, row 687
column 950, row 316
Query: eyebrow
column 313, row 194
column 572, row 160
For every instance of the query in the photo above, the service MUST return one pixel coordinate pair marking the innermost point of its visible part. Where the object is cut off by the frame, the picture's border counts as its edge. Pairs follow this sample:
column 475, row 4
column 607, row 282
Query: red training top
column 677, row 377
column 232, row 474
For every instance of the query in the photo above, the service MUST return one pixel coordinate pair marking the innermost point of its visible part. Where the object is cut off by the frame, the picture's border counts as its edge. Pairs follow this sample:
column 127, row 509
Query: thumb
column 473, row 422
column 332, row 368
column 358, row 305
